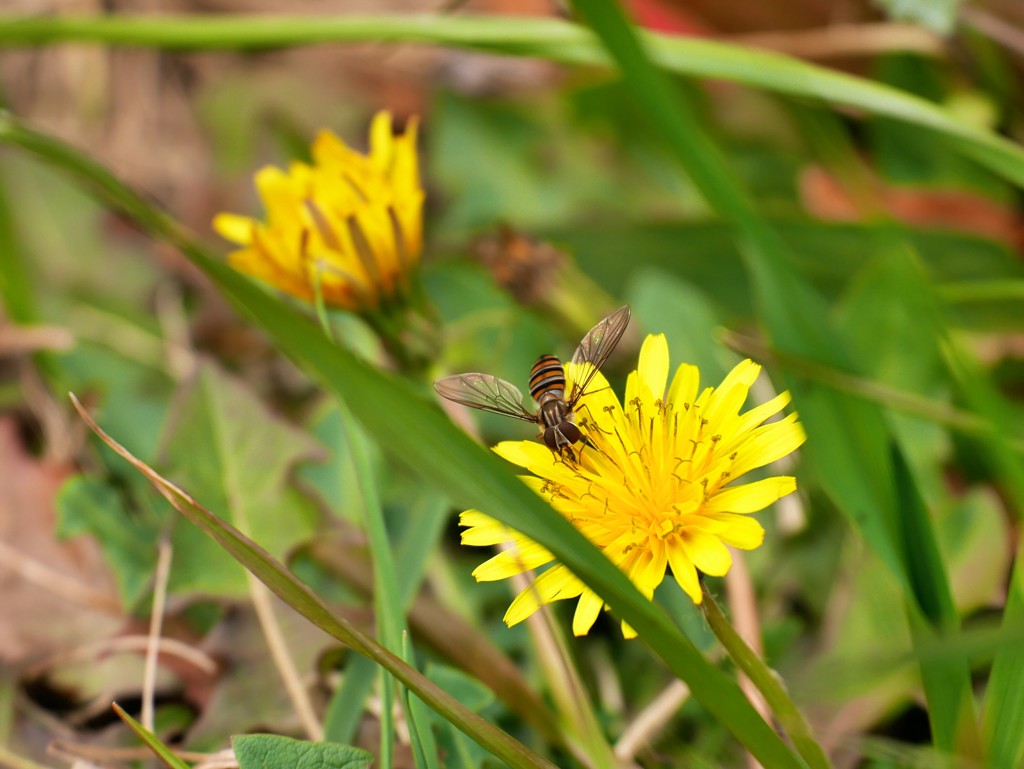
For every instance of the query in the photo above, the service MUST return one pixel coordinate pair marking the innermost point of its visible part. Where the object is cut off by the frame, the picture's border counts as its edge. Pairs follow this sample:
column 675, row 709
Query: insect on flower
column 556, row 416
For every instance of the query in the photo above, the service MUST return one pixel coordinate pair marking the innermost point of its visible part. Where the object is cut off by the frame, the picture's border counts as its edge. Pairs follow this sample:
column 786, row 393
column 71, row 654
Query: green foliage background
column 901, row 585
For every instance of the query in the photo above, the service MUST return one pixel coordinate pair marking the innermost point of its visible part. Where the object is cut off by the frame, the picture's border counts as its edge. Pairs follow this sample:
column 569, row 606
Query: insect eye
column 551, row 438
column 570, row 431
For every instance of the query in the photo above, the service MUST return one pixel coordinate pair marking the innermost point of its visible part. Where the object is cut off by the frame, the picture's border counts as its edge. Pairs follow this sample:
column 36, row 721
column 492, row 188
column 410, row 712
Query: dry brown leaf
column 54, row 594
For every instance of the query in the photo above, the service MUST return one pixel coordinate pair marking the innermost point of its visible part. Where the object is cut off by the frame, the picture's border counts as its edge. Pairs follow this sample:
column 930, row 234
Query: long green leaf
column 546, row 38
column 442, row 454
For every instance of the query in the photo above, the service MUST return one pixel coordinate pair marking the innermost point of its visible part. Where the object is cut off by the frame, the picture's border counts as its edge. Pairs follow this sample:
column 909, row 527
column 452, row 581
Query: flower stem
column 768, row 683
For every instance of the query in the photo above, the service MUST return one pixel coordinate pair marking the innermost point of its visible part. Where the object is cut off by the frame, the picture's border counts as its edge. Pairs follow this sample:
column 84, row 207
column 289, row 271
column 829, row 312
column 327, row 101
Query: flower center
column 646, row 472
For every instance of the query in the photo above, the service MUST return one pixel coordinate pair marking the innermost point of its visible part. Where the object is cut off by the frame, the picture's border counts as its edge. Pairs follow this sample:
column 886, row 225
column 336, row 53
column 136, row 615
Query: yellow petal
column 404, row 166
column 587, row 610
column 750, row 497
column 653, row 367
column 683, row 390
column 740, row 531
column 523, row 556
column 381, row 141
column 537, row 458
column 648, row 571
column 707, row 552
column 730, row 396
column 555, row 584
column 258, row 264
column 332, row 153
column 767, row 444
column 599, row 396
column 482, row 530
column 523, row 453
column 684, row 571
column 751, row 419
column 237, row 229
column 632, row 390
column 281, row 197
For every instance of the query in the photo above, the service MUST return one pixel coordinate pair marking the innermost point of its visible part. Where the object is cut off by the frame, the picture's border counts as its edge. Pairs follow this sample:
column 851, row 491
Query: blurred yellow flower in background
column 652, row 487
column 348, row 225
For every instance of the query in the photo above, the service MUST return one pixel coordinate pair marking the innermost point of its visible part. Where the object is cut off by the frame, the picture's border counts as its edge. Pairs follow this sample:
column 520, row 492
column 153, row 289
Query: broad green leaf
column 86, row 505
column 136, row 392
column 227, row 447
column 272, row 751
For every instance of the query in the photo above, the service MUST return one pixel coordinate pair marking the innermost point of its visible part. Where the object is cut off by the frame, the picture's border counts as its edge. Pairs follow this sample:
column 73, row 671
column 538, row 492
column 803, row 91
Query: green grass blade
column 947, row 682
column 1004, row 699
column 16, row 291
column 419, row 538
column 420, row 735
column 545, row 38
column 345, row 710
column 15, row 288
column 768, row 683
column 405, row 424
column 153, row 742
column 386, row 600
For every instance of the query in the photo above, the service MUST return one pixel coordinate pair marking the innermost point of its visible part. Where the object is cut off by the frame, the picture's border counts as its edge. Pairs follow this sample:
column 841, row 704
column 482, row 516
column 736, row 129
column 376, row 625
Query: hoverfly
column 556, row 416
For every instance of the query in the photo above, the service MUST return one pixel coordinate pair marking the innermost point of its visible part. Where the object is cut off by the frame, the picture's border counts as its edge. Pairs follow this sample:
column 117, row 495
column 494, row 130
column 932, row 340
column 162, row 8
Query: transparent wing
column 595, row 348
column 486, row 392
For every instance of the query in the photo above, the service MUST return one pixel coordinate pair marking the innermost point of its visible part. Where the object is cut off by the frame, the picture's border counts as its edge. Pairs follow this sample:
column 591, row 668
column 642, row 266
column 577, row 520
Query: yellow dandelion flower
column 348, row 223
column 654, row 487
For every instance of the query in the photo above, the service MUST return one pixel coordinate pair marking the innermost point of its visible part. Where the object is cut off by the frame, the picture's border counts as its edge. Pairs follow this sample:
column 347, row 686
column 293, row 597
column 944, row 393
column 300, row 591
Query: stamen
column 401, row 250
column 322, row 224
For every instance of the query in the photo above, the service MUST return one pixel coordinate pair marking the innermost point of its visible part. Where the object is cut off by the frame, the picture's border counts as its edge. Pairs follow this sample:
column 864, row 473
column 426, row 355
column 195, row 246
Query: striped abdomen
column 547, row 376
